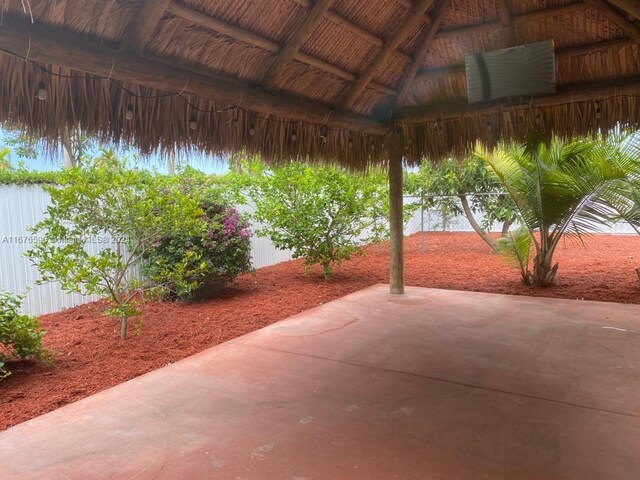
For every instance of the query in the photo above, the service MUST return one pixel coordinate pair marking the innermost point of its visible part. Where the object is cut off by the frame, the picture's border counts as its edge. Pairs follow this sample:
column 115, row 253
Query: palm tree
column 561, row 188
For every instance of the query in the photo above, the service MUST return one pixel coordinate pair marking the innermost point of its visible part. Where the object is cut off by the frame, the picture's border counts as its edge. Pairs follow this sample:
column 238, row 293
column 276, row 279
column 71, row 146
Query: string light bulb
column 192, row 123
column 294, row 137
column 129, row 113
column 42, row 91
column 597, row 112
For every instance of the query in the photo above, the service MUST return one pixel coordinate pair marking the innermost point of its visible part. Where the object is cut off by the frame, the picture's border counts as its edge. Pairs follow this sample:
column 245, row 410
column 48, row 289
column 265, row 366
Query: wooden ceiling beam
column 51, row 46
column 632, row 7
column 409, row 23
column 580, row 92
column 484, row 28
column 561, row 54
column 142, row 25
column 295, row 43
column 421, row 52
column 255, row 40
column 506, row 18
column 628, row 27
column 504, row 13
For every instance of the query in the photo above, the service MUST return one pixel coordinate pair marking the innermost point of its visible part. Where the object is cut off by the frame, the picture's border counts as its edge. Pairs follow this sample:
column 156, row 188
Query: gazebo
column 353, row 82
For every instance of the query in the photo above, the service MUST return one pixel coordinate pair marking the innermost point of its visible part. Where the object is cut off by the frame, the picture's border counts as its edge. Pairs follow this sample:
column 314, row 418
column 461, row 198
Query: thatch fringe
column 440, row 138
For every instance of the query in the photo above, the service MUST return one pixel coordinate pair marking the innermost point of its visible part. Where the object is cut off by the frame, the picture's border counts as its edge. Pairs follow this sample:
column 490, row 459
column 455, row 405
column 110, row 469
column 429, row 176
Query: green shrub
column 320, row 213
column 20, row 335
column 201, row 263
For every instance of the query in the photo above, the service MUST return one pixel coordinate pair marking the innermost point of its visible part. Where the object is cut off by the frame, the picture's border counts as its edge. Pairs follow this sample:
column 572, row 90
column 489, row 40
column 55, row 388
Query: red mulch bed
column 89, row 357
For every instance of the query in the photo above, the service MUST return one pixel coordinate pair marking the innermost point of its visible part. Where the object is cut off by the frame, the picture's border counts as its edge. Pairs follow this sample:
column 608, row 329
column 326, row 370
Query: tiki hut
column 356, row 82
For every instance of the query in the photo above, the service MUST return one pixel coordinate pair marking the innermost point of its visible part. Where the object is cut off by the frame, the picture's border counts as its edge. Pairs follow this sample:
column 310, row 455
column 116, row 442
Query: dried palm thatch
column 302, row 79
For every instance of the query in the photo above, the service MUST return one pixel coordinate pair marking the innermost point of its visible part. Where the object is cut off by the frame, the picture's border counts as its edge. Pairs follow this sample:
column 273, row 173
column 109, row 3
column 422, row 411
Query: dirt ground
column 89, row 356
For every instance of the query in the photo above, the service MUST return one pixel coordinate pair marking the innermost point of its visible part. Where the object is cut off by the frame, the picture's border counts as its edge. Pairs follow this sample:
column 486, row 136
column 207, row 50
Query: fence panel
column 21, row 207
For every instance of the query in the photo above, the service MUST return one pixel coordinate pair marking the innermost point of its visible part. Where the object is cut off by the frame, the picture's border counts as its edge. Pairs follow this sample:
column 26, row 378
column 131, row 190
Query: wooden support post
column 396, row 221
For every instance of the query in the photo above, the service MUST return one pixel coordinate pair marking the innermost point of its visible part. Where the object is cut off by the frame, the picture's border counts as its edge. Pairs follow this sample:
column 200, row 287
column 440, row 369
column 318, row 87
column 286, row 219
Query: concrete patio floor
column 431, row 385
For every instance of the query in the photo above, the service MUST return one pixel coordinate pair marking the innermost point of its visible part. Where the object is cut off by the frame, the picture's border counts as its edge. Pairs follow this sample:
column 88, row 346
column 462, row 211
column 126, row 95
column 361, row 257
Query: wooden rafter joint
column 143, row 24
column 292, row 47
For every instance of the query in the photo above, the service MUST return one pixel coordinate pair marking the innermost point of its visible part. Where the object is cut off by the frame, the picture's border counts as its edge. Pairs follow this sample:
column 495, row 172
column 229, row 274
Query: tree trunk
column 507, row 225
column 326, row 270
column 69, row 158
column 544, row 274
column 171, row 163
column 123, row 328
column 478, row 229
column 638, row 272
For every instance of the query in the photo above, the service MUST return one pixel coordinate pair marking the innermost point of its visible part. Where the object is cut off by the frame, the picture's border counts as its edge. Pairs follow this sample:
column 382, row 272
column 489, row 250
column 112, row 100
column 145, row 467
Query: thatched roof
column 324, row 79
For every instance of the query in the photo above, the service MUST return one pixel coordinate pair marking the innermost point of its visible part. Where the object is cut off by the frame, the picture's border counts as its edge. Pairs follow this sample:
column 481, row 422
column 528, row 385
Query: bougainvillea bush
column 209, row 259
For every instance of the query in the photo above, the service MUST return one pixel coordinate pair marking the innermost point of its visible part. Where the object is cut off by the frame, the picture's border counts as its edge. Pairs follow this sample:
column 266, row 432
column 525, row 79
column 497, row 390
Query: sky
column 205, row 163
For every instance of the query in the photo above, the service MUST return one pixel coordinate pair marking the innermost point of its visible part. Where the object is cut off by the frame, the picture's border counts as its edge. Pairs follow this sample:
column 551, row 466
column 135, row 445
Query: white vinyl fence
column 21, row 207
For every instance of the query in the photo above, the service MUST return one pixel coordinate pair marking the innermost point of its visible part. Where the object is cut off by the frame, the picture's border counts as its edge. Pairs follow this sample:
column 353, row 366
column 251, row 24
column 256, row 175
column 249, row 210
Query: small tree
column 320, row 213
column 464, row 188
column 20, row 335
column 124, row 210
column 562, row 188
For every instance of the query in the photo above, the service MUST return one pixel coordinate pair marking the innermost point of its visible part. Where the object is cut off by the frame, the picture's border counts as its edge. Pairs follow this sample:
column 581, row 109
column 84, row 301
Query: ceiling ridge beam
column 295, row 43
column 256, row 40
column 561, row 54
column 421, row 52
column 51, row 46
column 628, row 27
column 409, row 22
column 142, row 25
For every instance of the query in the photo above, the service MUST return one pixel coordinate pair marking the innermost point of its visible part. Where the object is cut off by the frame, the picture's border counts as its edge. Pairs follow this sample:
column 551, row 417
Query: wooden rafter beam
column 504, row 13
column 422, row 50
column 488, row 27
column 506, row 18
column 561, row 54
column 292, row 47
column 51, row 46
column 144, row 22
column 632, row 7
column 628, row 27
column 255, row 40
column 581, row 92
column 410, row 22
